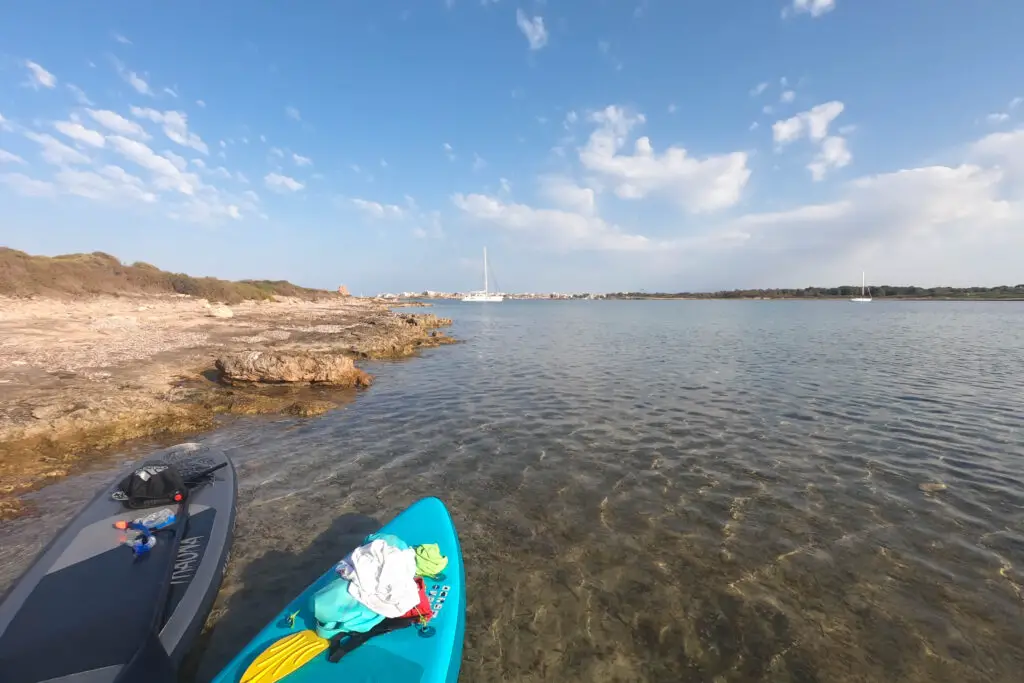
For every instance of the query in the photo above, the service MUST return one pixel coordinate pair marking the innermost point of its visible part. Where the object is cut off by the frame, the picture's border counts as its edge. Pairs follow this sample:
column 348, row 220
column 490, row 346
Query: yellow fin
column 285, row 656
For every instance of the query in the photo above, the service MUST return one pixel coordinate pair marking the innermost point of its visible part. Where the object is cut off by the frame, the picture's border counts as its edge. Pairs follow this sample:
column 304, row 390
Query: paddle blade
column 285, row 656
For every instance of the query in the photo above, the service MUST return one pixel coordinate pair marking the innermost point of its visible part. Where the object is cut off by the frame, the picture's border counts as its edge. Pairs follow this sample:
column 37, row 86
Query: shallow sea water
column 667, row 491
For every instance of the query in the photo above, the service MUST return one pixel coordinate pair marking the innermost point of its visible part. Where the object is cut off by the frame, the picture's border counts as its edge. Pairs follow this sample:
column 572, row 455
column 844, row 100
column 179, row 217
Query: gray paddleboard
column 89, row 611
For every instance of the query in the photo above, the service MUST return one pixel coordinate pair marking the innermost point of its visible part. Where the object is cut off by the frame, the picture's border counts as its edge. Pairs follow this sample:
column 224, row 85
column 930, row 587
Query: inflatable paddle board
column 428, row 653
column 90, row 611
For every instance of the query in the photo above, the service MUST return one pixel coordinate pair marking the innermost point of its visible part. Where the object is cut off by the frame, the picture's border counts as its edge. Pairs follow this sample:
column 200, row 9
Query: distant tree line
column 882, row 292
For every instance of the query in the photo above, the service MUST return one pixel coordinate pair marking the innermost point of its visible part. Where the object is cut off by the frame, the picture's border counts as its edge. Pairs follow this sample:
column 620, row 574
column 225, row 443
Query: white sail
column 484, row 295
column 864, row 297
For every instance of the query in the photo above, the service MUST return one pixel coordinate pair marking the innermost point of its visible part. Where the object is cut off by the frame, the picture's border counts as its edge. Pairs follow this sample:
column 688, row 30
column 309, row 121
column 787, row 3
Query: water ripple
column 676, row 491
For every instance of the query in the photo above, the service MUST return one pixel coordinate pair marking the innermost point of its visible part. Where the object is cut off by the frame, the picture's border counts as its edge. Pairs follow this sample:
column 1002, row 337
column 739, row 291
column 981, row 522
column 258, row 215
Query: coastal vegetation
column 1001, row 293
column 98, row 273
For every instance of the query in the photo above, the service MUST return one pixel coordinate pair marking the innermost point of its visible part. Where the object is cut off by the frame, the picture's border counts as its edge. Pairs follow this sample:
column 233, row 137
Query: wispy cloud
column 10, row 158
column 448, row 151
column 79, row 95
column 282, row 183
column 378, row 210
column 301, row 160
column 533, row 28
column 293, row 113
column 39, row 77
column 26, row 186
column 80, row 133
column 758, row 89
column 56, row 152
column 133, row 79
column 118, row 124
column 815, row 8
column 121, row 39
column 175, row 127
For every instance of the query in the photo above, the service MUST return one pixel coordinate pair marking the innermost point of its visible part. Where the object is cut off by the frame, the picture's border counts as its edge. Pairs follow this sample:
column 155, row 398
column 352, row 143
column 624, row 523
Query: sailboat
column 864, row 296
column 484, row 295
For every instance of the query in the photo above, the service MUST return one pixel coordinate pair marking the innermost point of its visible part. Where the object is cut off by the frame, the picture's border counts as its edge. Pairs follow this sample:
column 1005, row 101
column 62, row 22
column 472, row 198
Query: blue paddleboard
column 409, row 655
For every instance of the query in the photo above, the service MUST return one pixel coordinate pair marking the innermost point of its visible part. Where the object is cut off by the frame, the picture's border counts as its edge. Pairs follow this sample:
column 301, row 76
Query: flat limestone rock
column 288, row 368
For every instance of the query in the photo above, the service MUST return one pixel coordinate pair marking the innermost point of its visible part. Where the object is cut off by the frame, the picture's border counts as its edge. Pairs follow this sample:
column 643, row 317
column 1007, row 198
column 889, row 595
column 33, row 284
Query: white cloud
column 378, row 210
column 672, row 108
column 166, row 174
column 175, row 127
column 10, row 158
column 132, row 79
column 754, row 126
column 80, row 133
column 563, row 229
column 505, row 185
column 767, row 109
column 201, row 104
column 449, row 152
column 293, row 113
column 566, row 194
column 199, row 163
column 274, row 151
column 282, row 183
column 787, row 96
column 1016, row 102
column 121, row 39
column 222, row 173
column 301, row 160
column 111, row 184
column 813, row 123
column 179, row 162
column 699, row 185
column 137, row 82
column 383, row 163
column 171, row 91
column 1002, row 151
column 478, row 163
column 25, row 186
column 39, row 77
column 815, row 8
column 758, row 89
column 56, row 152
column 833, row 154
column 4, row 124
column 533, row 29
column 118, row 124
column 80, row 95
column 998, row 117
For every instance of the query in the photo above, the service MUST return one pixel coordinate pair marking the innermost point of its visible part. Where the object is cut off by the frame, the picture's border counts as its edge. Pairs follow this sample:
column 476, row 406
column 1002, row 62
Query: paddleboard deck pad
column 90, row 611
column 428, row 653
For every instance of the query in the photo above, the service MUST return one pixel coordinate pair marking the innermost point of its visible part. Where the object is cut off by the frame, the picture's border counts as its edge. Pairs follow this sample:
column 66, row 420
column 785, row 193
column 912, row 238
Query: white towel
column 382, row 578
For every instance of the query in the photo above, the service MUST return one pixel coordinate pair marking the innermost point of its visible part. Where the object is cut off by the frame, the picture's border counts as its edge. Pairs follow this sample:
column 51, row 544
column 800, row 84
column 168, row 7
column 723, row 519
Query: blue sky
column 596, row 145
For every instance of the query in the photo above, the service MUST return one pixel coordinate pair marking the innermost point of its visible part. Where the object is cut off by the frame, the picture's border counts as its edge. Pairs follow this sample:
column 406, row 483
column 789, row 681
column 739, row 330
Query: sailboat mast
column 862, row 282
column 485, row 270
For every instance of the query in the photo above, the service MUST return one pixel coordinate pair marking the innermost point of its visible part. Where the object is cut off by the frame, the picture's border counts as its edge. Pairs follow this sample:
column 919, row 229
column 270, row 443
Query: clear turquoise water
column 672, row 491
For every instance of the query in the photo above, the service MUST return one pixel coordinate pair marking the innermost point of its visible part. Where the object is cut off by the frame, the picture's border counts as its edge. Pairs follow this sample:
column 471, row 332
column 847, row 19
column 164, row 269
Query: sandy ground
column 78, row 378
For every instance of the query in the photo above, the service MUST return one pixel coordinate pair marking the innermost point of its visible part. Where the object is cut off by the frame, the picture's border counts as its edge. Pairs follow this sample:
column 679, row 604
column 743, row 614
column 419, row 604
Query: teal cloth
column 390, row 539
column 335, row 611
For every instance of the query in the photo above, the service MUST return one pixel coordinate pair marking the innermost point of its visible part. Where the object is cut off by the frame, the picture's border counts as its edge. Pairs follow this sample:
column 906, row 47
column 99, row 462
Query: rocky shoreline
column 80, row 378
